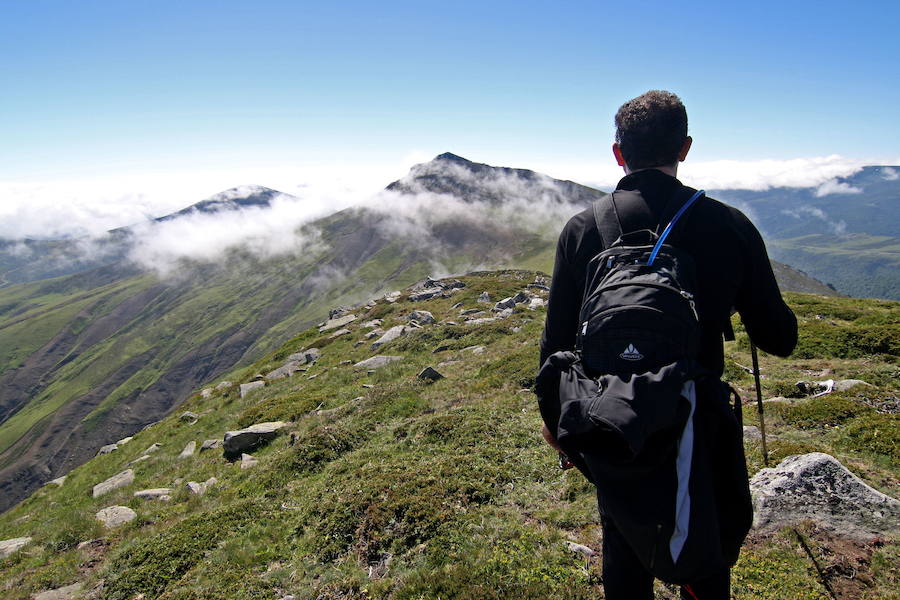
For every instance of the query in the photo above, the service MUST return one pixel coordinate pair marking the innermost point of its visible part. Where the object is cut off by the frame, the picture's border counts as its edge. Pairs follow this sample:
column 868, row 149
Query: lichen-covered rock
column 249, row 438
column 210, row 445
column 189, row 450
column 817, row 487
column 246, row 388
column 115, row 516
column 286, row 370
column 336, row 323
column 115, row 482
column 377, row 361
column 422, row 317
column 69, row 592
column 390, row 335
column 7, row 547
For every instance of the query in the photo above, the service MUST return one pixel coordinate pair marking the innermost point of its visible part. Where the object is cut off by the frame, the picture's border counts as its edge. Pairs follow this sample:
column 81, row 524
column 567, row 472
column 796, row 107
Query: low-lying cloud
column 802, row 212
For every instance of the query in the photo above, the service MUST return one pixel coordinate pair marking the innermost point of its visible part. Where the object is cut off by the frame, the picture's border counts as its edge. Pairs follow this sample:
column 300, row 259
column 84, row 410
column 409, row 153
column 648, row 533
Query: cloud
column 801, row 212
column 890, row 174
column 833, row 186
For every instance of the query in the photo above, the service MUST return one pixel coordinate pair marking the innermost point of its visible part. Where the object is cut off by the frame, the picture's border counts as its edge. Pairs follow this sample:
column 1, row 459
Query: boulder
column 471, row 311
column 426, row 294
column 475, row 349
column 339, row 333
column 815, row 388
column 189, row 417
column 246, row 388
column 115, row 516
column 188, row 450
column 304, row 356
column 752, row 432
column 58, row 481
column 107, row 449
column 484, row 297
column 69, row 592
column 521, row 297
column 377, row 332
column 481, row 321
column 163, row 494
column 392, row 296
column 536, row 303
column 210, row 445
column 579, row 549
column 248, row 462
column 223, row 384
column 848, row 384
column 453, row 284
column 200, row 488
column 429, row 374
column 124, row 441
column 371, row 324
column 390, row 335
column 152, row 448
column 377, row 361
column 818, row 488
column 340, row 311
column 336, row 323
column 505, row 313
column 422, row 317
column 206, row 392
column 286, row 370
column 504, row 304
column 115, row 482
column 243, row 440
column 7, row 547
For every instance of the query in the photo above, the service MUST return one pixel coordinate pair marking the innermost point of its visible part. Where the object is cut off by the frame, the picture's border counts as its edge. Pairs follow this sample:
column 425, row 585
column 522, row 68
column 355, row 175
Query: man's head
column 651, row 131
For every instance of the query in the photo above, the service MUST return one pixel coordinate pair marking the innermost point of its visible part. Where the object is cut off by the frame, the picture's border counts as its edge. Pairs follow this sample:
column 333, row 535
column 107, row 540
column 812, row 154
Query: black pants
column 625, row 578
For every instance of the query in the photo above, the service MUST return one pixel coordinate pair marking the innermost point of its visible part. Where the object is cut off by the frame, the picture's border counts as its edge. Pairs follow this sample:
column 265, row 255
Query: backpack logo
column 631, row 353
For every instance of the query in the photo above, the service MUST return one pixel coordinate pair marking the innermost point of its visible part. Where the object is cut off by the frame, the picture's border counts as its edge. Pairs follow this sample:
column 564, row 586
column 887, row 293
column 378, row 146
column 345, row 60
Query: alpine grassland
column 384, row 485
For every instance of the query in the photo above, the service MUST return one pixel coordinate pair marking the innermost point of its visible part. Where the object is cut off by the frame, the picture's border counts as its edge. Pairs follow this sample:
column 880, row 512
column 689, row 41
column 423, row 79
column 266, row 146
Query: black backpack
column 626, row 404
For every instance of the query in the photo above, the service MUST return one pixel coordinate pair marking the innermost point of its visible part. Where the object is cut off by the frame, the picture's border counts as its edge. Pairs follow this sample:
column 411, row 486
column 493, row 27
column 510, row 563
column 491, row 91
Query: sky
column 111, row 111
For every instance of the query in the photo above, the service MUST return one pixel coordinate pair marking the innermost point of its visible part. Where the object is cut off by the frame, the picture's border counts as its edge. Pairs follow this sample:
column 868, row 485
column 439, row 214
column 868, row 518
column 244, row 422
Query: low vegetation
column 399, row 489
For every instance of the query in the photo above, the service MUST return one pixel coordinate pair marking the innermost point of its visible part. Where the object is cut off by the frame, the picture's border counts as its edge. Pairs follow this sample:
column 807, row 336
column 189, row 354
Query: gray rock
column 441, row 348
column 390, row 335
column 505, row 313
column 371, row 324
column 69, row 592
column 140, row 458
column 244, row 440
column 536, row 303
column 195, row 488
column 152, row 448
column 504, row 304
column 223, row 384
column 340, row 311
column 339, row 333
column 115, row 516
column 817, row 487
column 377, row 362
column 422, row 317
column 210, row 445
column 521, row 297
column 429, row 374
column 848, row 384
column 453, row 284
column 472, row 311
column 474, row 349
column 107, row 449
column 206, row 392
column 752, row 432
column 7, row 547
column 484, row 297
column 248, row 462
column 188, row 450
column 337, row 323
column 286, row 370
column 246, row 388
column 154, row 494
column 392, row 296
column 190, row 417
column 481, row 321
column 58, row 481
column 426, row 294
column 538, row 286
column 305, row 356
column 815, row 388
column 377, row 332
column 115, row 482
column 124, row 441
column 580, row 549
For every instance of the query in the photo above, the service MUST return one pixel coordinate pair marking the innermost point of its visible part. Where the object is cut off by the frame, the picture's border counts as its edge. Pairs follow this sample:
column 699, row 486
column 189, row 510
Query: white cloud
column 833, row 186
column 890, row 174
column 801, row 212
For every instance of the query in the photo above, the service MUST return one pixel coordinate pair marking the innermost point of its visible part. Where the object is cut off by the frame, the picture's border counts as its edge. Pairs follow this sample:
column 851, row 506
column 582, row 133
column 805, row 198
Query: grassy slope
column 406, row 490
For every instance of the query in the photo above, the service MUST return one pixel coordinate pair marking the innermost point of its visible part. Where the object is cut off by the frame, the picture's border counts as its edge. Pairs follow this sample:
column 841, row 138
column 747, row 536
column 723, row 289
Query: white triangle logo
column 631, row 353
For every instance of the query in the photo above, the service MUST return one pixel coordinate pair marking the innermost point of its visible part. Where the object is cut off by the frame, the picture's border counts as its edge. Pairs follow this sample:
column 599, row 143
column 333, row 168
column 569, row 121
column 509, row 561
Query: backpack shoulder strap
column 607, row 220
column 620, row 212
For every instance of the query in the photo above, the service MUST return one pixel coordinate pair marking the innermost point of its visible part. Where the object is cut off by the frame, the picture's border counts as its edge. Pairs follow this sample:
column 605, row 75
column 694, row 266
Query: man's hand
column 548, row 437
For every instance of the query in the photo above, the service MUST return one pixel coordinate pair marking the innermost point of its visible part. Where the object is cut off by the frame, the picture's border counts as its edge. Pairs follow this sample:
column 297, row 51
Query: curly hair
column 651, row 129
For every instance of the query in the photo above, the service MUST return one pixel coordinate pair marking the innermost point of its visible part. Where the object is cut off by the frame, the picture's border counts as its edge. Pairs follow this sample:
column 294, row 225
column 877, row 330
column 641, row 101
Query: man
column 732, row 269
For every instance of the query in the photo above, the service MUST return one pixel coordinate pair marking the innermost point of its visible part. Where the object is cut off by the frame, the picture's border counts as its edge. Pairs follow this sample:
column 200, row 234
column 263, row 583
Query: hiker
column 732, row 272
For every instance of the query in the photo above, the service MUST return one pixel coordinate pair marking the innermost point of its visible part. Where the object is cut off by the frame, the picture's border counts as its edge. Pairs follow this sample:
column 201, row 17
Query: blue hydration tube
column 671, row 224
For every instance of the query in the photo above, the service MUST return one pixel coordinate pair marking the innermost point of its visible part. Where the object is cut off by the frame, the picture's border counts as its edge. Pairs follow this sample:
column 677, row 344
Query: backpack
column 636, row 414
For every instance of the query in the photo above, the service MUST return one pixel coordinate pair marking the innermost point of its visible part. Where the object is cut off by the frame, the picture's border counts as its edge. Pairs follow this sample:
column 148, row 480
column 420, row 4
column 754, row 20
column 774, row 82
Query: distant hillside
column 845, row 232
column 96, row 355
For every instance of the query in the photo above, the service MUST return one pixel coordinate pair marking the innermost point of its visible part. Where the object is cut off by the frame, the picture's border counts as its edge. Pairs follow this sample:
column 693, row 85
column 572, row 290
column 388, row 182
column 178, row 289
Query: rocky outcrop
column 188, row 450
column 376, row 362
column 210, row 445
column 248, row 462
column 246, row 388
column 116, row 516
column 7, row 547
column 429, row 374
column 115, row 482
column 164, row 494
column 244, row 440
column 422, row 317
column 69, row 592
column 816, row 487
column 390, row 335
column 336, row 323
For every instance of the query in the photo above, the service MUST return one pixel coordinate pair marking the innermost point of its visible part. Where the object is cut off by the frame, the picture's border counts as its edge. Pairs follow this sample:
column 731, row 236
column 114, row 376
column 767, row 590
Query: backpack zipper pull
column 690, row 298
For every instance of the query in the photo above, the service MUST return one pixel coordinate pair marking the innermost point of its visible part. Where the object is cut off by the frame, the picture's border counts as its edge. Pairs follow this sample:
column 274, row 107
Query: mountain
column 381, row 484
column 844, row 232
column 94, row 356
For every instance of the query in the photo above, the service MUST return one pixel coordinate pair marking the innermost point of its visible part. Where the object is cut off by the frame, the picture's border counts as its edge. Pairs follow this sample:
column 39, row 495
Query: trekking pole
column 759, row 403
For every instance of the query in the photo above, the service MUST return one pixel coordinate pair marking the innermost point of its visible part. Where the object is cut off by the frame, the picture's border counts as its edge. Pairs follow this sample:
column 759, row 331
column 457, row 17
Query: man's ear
column 685, row 148
column 617, row 152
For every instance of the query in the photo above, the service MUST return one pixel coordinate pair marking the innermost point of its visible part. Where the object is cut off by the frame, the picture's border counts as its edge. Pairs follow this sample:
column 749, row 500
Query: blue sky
column 102, row 90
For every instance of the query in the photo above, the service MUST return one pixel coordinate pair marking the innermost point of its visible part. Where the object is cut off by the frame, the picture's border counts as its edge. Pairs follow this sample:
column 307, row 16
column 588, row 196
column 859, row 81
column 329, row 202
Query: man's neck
column 671, row 170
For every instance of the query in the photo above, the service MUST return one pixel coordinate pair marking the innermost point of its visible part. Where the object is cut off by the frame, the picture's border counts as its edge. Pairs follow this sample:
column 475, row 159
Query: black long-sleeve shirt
column 733, row 271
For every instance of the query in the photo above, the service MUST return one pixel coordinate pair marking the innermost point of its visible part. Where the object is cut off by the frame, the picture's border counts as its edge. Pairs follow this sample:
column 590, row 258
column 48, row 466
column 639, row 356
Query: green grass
column 408, row 490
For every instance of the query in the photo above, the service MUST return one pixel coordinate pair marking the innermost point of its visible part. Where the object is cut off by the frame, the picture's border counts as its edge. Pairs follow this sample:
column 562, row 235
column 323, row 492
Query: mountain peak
column 451, row 157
